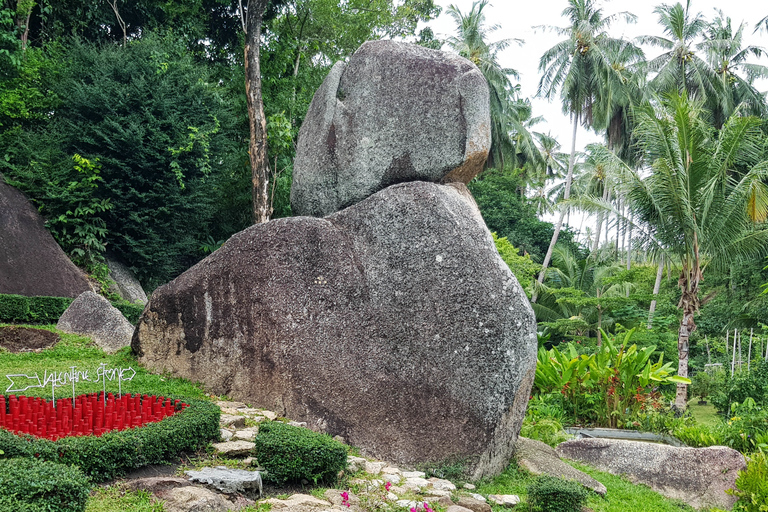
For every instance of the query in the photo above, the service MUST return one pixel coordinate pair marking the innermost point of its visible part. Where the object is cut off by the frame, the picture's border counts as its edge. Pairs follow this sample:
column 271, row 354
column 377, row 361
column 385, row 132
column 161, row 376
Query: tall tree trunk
column 629, row 245
column 690, row 278
column 566, row 195
column 656, row 287
column 257, row 147
column 600, row 216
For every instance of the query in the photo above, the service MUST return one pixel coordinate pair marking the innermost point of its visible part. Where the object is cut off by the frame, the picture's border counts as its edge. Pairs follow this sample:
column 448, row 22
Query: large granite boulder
column 393, row 323
column 125, row 283
column 396, row 112
column 697, row 476
column 540, row 459
column 92, row 315
column 31, row 262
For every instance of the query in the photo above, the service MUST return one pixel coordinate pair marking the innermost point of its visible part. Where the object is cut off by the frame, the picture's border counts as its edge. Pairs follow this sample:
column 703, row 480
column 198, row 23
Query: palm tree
column 679, row 68
column 694, row 207
column 728, row 59
column 509, row 113
column 582, row 69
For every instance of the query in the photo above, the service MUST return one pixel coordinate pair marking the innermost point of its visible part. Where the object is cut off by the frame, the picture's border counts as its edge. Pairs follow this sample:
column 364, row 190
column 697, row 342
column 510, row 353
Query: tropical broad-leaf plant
column 608, row 386
column 704, row 202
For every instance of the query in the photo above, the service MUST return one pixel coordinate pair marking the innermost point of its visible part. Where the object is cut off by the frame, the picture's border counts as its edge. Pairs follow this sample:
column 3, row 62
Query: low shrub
column 546, row 430
column 114, row 453
column 29, row 484
column 550, row 494
column 752, row 485
column 290, row 453
column 129, row 310
column 47, row 310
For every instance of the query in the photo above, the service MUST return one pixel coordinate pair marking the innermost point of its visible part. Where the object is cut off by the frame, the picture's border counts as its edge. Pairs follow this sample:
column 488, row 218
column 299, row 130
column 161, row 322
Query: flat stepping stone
column 246, row 434
column 299, row 502
column 442, row 485
column 227, row 480
column 230, row 420
column 505, row 500
column 231, row 405
column 374, row 468
column 474, row 504
column 234, row 448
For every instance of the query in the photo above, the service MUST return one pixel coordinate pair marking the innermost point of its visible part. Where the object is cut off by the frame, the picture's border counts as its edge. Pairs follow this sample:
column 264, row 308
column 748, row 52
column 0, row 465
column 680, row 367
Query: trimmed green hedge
column 550, row 494
column 130, row 311
column 35, row 485
column 290, row 453
column 114, row 453
column 47, row 310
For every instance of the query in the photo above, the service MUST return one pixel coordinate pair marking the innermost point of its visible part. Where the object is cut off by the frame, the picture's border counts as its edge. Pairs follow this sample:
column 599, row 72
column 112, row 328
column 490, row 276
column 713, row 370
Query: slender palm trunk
column 566, row 195
column 689, row 303
column 600, row 216
column 656, row 286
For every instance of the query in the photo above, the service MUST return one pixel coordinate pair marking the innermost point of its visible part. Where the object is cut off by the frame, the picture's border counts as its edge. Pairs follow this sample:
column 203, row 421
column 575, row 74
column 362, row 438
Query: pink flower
column 345, row 498
column 387, row 486
column 413, row 509
column 426, row 507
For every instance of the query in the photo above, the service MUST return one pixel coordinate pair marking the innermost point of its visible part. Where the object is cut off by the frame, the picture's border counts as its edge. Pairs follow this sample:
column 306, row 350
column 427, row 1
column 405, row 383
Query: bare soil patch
column 26, row 339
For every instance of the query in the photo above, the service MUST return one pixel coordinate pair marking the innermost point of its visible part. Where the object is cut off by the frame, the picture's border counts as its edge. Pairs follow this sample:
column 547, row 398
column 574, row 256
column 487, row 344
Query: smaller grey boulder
column 229, row 481
column 126, row 285
column 697, row 476
column 540, row 459
column 474, row 504
column 92, row 315
column 194, row 499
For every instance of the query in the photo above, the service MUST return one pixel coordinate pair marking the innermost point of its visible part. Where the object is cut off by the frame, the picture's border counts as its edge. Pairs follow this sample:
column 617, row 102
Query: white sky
column 517, row 19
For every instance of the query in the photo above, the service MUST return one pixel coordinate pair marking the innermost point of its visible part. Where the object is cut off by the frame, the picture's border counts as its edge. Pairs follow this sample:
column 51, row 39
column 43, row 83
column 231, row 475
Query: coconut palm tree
column 694, row 207
column 509, row 113
column 727, row 56
column 679, row 67
column 581, row 68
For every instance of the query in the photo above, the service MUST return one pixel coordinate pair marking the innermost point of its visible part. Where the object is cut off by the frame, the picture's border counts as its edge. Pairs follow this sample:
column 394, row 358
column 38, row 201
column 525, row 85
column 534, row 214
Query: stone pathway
column 375, row 483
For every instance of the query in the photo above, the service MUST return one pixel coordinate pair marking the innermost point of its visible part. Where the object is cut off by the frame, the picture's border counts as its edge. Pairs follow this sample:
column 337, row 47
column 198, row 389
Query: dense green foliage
column 47, row 310
column 290, row 454
column 160, row 151
column 31, row 484
column 550, row 494
column 742, row 385
column 752, row 486
column 114, row 453
column 510, row 216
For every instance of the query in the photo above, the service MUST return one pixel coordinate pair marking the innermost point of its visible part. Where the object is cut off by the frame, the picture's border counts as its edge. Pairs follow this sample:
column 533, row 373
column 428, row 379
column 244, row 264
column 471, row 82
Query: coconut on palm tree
column 727, row 56
column 582, row 69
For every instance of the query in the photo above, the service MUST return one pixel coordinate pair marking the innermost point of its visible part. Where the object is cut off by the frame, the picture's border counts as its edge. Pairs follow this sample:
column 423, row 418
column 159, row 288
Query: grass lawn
column 622, row 496
column 81, row 352
column 704, row 414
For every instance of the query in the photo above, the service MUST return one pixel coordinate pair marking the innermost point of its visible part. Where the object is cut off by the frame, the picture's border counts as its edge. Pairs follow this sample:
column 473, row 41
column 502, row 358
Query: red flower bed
column 89, row 416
